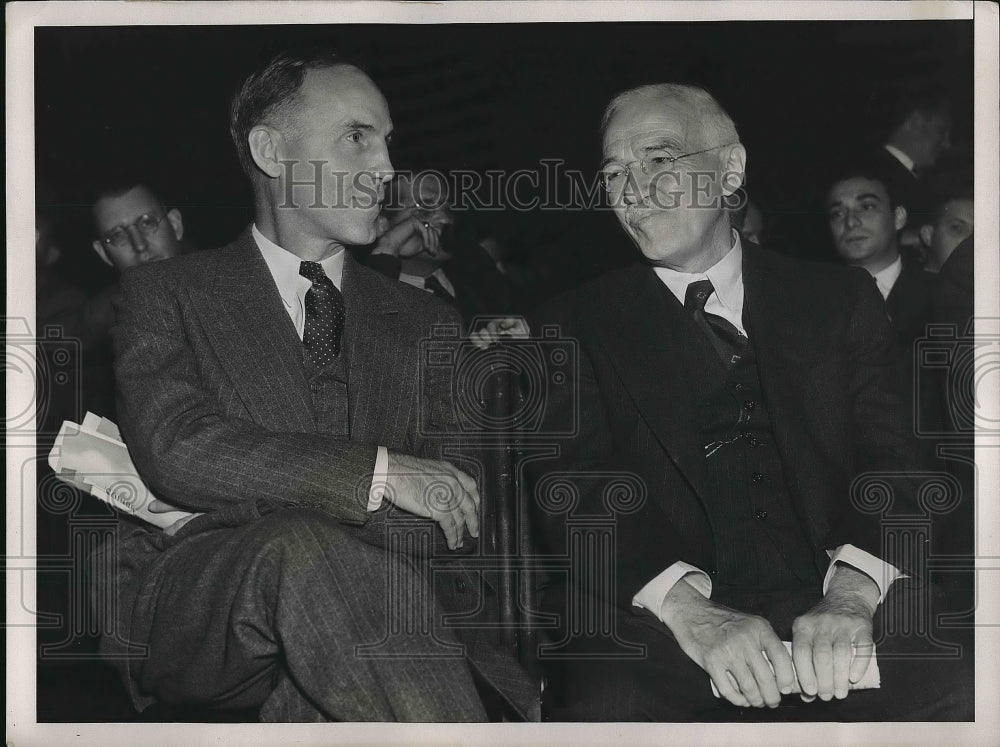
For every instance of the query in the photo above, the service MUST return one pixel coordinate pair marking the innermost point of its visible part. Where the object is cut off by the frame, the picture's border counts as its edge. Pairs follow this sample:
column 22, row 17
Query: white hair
column 716, row 127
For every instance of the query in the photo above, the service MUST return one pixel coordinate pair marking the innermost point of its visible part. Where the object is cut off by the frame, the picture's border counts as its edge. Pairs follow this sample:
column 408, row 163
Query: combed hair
column 269, row 93
column 717, row 127
column 865, row 168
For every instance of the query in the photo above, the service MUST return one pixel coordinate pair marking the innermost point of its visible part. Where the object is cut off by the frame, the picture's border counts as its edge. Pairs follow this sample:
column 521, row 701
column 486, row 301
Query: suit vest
column 328, row 387
column 760, row 542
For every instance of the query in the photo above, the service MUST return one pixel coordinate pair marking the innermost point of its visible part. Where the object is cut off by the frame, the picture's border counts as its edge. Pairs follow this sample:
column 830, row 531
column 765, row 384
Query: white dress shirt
column 421, row 282
column 727, row 301
column 902, row 158
column 886, row 278
column 292, row 288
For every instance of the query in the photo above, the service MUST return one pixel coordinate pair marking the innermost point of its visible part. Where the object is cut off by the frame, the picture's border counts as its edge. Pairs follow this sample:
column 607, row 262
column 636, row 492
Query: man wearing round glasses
column 133, row 227
column 759, row 400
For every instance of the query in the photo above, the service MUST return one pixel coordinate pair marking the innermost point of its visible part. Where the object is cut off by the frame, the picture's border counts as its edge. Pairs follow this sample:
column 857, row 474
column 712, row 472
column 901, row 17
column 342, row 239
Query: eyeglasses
column 614, row 177
column 146, row 224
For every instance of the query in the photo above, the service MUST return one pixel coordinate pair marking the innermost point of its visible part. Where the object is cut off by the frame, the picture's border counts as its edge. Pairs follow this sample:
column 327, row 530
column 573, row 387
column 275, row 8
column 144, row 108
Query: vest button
column 461, row 586
column 753, row 441
column 738, row 387
column 761, row 514
column 757, row 477
column 749, row 405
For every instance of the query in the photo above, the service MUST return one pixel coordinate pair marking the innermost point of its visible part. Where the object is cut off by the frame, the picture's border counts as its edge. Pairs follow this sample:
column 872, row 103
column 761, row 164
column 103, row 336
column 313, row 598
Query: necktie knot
column 697, row 295
column 312, row 271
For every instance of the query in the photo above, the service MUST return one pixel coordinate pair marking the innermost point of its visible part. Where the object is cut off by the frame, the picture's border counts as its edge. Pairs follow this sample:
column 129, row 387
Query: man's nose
column 851, row 218
column 139, row 241
column 631, row 194
column 383, row 166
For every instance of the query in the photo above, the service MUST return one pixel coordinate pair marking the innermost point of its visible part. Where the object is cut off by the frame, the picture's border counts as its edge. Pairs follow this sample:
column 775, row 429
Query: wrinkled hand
column 436, row 490
column 730, row 646
column 510, row 326
column 159, row 507
column 832, row 643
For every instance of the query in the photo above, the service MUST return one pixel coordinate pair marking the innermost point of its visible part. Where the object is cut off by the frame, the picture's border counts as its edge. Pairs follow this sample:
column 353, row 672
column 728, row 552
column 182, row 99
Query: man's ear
column 899, row 219
column 264, row 142
column 734, row 169
column 176, row 222
column 926, row 235
column 102, row 253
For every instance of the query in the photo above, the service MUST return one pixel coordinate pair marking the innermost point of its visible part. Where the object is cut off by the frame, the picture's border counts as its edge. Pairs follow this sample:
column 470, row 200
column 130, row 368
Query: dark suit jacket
column 953, row 289
column 480, row 289
column 830, row 373
column 909, row 303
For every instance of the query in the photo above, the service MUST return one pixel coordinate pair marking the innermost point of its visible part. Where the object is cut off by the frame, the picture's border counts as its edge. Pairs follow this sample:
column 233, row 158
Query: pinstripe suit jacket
column 219, row 413
column 215, row 398
column 831, row 376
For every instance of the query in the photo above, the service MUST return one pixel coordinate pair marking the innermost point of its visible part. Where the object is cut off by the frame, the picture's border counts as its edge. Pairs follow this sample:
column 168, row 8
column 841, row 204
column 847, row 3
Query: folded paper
column 92, row 457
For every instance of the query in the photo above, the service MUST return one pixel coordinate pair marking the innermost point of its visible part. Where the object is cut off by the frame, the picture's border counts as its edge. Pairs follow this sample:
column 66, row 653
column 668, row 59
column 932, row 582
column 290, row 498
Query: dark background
column 488, row 97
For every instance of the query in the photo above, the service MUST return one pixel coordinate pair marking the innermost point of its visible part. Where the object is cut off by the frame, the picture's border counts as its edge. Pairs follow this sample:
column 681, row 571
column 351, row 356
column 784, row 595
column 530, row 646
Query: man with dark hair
column 426, row 245
column 753, row 397
column 271, row 387
column 920, row 132
column 865, row 218
column 951, row 222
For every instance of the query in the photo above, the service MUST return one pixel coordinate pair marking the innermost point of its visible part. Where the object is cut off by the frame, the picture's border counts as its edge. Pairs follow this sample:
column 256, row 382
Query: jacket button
column 753, row 441
column 757, row 477
column 749, row 405
column 738, row 387
column 761, row 514
column 461, row 586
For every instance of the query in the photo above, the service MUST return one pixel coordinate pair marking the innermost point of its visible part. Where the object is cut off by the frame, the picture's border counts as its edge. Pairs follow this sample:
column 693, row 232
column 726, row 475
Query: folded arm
column 190, row 450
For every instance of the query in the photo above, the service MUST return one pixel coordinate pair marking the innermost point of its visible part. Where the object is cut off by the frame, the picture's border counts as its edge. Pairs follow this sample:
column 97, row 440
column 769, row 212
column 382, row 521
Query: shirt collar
column 726, row 276
column 901, row 157
column 886, row 278
column 284, row 267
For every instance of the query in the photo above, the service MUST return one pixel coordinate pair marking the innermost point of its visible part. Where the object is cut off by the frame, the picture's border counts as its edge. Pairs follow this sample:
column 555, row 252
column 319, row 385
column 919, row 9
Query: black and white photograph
column 502, row 372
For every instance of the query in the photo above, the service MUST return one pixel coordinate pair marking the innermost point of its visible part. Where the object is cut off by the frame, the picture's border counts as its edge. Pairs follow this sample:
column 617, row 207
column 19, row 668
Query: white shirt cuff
column 379, row 478
column 880, row 572
column 651, row 595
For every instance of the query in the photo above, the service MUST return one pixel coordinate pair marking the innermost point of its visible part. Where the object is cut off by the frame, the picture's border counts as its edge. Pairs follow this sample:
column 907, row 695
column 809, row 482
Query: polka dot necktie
column 325, row 314
column 728, row 342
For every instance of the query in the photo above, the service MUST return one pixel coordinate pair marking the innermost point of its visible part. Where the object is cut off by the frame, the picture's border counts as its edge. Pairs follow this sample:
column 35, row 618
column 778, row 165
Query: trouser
column 293, row 612
column 927, row 673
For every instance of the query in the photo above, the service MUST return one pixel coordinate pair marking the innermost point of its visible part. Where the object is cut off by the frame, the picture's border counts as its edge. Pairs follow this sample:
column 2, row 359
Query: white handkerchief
column 871, row 679
column 92, row 457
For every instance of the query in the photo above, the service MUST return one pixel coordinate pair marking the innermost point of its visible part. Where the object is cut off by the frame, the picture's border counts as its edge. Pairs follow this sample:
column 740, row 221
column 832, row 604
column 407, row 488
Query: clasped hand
column 831, row 646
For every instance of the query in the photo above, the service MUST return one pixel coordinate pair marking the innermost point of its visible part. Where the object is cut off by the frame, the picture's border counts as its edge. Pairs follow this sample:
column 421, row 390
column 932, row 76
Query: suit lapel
column 255, row 338
column 376, row 357
column 780, row 318
column 645, row 345
column 789, row 339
